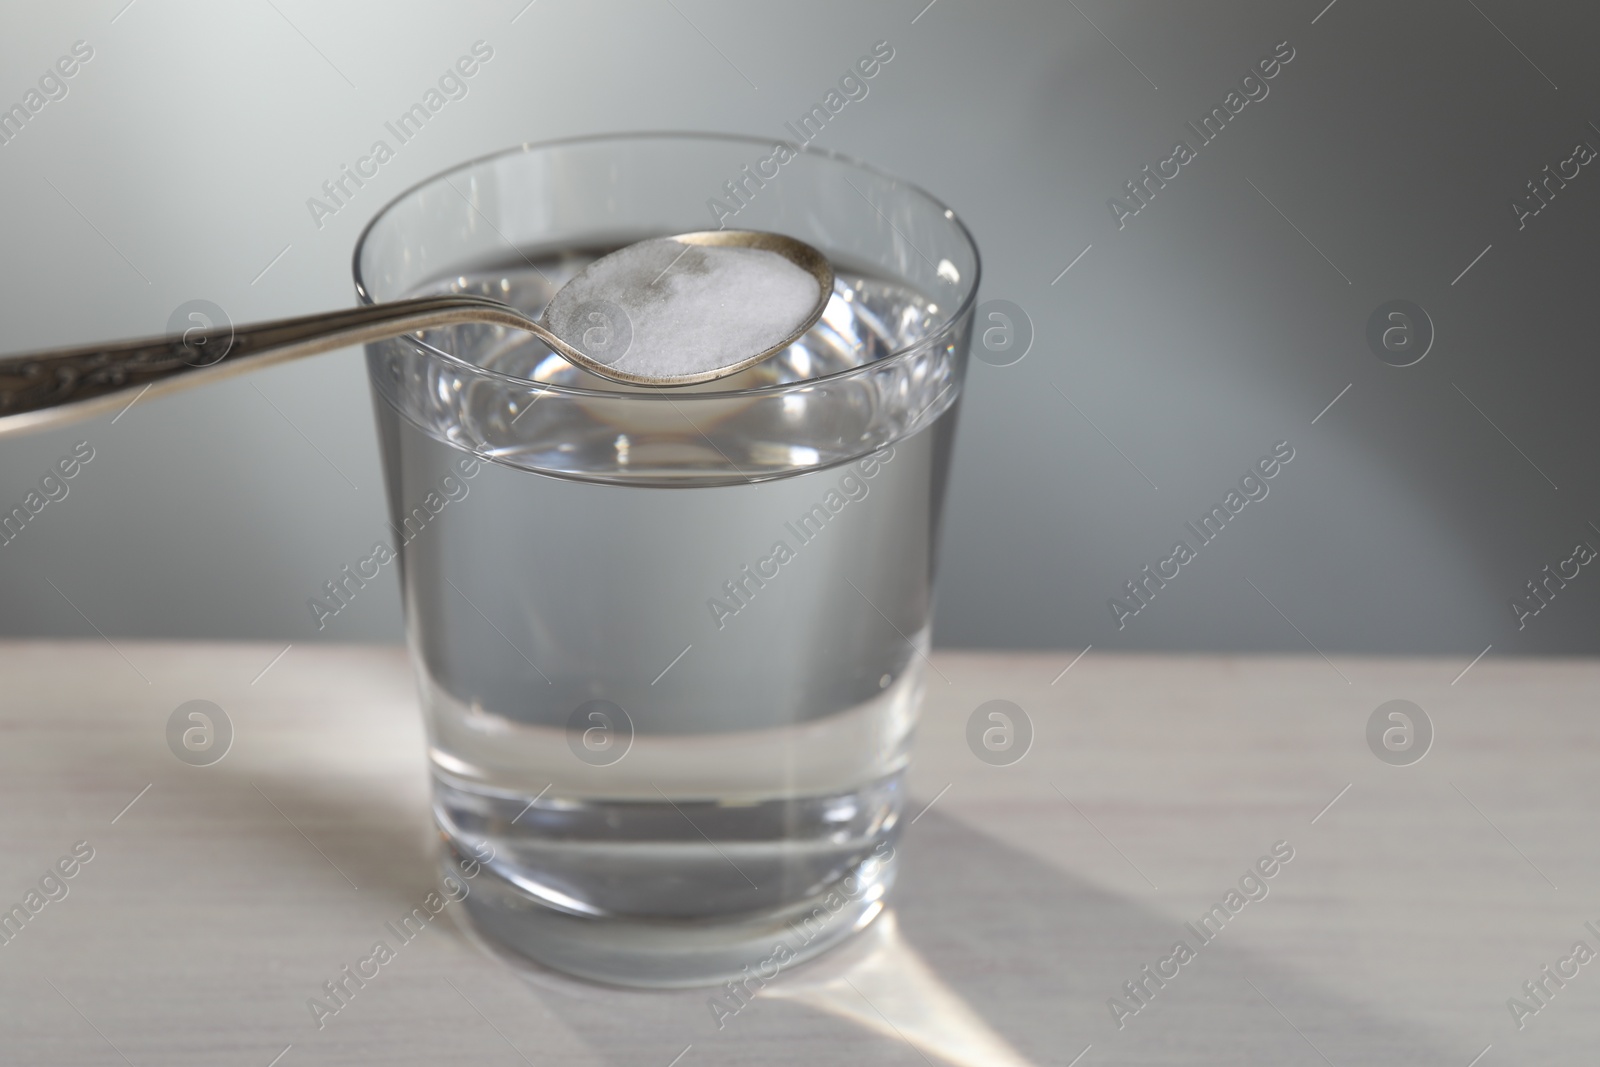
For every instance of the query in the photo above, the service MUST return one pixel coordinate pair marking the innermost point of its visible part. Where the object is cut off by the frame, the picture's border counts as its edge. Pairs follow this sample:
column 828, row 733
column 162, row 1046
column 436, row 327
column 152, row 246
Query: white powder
column 665, row 310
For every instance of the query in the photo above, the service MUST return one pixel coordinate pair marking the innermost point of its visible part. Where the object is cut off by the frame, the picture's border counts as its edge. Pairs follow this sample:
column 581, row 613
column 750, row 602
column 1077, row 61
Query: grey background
column 1208, row 329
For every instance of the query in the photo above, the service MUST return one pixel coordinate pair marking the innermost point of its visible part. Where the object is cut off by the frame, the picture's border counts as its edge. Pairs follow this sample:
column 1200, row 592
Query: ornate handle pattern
column 45, row 388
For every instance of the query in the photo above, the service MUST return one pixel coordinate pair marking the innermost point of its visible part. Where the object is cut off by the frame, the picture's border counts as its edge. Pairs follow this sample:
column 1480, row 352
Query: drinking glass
column 669, row 642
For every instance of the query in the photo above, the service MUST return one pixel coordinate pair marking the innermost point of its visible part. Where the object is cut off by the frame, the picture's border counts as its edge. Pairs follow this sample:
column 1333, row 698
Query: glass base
column 747, row 949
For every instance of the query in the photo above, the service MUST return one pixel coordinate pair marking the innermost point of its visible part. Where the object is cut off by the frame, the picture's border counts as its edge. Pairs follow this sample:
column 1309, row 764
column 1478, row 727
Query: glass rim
column 364, row 296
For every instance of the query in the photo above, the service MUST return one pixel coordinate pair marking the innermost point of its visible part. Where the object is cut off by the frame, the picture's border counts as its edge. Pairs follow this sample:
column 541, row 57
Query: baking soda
column 666, row 310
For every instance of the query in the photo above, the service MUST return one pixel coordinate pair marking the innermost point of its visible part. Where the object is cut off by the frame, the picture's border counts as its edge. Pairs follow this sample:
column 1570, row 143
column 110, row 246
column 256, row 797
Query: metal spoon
column 39, row 389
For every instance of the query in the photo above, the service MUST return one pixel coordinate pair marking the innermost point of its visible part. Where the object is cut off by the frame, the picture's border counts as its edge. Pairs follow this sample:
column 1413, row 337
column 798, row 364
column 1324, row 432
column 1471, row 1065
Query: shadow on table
column 990, row 957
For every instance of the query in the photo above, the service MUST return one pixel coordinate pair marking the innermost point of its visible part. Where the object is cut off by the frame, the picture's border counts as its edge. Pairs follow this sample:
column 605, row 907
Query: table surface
column 1418, row 900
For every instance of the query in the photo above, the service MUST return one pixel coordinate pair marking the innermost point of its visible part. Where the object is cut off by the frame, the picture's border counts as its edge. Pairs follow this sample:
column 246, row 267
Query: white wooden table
column 1419, row 902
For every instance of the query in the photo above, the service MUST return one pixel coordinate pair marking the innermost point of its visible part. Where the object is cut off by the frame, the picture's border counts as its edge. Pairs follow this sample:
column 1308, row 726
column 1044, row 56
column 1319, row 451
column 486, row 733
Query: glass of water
column 669, row 643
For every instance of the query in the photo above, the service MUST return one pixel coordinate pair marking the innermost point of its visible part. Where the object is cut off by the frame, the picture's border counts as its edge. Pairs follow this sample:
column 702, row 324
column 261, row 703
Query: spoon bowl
column 604, row 338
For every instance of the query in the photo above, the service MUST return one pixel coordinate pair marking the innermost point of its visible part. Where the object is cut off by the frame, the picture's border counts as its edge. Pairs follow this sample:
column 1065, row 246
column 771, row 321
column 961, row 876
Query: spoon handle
column 39, row 389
